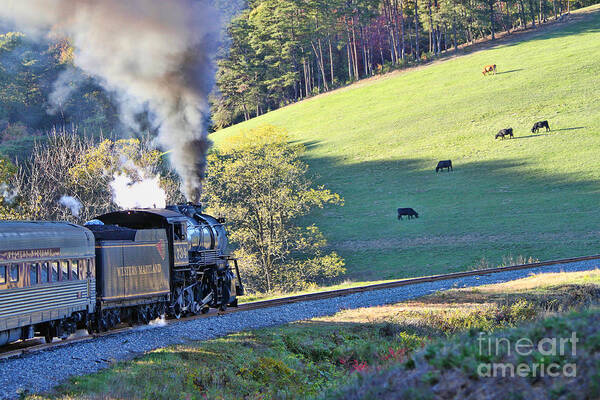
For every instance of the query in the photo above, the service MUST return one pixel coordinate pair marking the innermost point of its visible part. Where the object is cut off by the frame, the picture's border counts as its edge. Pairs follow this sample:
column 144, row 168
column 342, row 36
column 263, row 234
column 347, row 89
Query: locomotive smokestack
column 156, row 55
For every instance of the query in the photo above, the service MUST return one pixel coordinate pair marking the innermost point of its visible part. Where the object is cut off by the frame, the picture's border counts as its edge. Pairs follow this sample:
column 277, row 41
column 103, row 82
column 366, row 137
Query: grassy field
column 304, row 359
column 377, row 144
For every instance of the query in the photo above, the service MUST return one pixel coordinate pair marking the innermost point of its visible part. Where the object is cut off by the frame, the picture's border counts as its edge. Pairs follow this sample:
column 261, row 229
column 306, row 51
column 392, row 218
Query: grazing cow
column 409, row 212
column 489, row 68
column 504, row 132
column 539, row 125
column 444, row 164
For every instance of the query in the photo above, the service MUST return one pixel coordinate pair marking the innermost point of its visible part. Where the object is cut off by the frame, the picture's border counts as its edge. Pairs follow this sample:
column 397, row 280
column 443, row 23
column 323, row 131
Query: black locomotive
column 126, row 266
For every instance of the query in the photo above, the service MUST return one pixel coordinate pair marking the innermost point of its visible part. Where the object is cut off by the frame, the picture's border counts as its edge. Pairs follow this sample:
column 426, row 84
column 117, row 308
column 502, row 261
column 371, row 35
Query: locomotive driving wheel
column 190, row 304
column 183, row 302
column 177, row 305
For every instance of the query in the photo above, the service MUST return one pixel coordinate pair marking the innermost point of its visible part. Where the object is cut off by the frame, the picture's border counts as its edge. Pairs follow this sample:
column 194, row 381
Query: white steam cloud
column 9, row 195
column 71, row 203
column 145, row 193
column 157, row 55
column 133, row 186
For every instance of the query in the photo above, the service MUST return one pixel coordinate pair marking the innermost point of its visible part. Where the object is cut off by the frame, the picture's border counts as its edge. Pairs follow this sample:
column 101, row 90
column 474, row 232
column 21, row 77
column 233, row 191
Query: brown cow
column 489, row 68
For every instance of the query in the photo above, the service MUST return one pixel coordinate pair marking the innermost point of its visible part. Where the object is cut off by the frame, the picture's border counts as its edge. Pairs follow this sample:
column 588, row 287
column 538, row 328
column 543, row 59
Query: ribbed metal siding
column 208, row 257
column 21, row 307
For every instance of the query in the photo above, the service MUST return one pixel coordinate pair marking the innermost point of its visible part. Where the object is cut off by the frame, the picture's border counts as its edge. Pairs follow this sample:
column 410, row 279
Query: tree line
column 273, row 53
column 282, row 51
column 40, row 89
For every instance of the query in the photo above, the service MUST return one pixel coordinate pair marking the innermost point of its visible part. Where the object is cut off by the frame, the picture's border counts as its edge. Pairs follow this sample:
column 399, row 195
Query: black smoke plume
column 156, row 55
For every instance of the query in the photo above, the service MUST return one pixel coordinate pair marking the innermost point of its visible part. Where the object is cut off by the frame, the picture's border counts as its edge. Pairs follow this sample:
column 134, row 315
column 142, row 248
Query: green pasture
column 377, row 144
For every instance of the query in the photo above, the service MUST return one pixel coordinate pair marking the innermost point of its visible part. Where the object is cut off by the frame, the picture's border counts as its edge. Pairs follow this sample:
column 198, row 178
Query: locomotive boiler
column 126, row 266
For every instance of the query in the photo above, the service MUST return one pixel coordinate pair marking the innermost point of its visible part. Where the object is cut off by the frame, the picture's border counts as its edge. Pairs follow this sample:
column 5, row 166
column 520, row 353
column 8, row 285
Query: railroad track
column 34, row 345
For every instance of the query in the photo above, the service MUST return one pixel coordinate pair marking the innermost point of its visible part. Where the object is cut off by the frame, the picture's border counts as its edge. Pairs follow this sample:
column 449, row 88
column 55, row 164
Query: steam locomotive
column 126, row 266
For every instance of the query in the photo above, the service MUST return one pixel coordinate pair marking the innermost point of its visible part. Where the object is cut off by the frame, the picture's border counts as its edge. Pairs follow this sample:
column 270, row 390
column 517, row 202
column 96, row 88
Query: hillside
column 377, row 144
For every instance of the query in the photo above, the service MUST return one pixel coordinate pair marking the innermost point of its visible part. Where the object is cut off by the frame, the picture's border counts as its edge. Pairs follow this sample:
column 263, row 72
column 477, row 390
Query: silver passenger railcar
column 47, row 279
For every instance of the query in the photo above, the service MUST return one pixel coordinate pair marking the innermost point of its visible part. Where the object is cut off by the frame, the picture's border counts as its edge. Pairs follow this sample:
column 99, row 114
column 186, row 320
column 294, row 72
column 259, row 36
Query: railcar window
column 44, row 273
column 33, row 274
column 14, row 273
column 54, row 276
column 75, row 269
column 64, row 268
column 2, row 274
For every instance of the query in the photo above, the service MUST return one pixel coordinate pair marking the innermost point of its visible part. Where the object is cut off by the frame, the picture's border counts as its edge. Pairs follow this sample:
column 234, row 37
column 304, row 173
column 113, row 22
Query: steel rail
column 407, row 282
column 261, row 304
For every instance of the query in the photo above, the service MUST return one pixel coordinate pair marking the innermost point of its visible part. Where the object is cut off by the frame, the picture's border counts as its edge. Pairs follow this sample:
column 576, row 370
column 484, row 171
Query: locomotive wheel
column 196, row 308
column 205, row 310
column 105, row 321
column 102, row 324
column 114, row 318
column 178, row 304
column 188, row 301
column 141, row 316
column 162, row 310
column 149, row 313
column 177, row 311
column 153, row 312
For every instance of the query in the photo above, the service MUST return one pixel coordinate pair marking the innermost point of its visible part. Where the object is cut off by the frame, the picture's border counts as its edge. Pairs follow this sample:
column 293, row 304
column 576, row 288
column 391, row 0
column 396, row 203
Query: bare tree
column 41, row 181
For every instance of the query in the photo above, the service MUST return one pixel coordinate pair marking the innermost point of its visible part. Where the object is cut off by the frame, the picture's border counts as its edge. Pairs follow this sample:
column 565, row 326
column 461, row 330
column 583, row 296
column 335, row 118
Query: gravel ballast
column 41, row 371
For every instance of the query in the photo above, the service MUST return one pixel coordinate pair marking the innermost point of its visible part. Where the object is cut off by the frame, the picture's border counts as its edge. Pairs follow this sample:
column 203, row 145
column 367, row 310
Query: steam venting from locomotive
column 71, row 203
column 145, row 193
column 155, row 55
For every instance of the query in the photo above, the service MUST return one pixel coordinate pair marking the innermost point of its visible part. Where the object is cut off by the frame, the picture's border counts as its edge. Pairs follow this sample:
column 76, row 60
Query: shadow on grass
column 476, row 193
column 554, row 299
column 509, row 72
column 531, row 136
column 309, row 144
column 568, row 129
column 461, row 209
column 547, row 134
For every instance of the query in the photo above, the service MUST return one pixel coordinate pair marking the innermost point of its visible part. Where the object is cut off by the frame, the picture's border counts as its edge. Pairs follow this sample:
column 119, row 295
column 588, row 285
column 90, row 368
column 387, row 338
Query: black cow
column 539, row 125
column 409, row 212
column 444, row 164
column 504, row 132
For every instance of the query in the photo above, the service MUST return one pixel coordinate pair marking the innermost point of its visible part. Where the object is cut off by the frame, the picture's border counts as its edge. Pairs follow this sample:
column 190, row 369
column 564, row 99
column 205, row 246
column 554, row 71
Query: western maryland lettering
column 135, row 270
